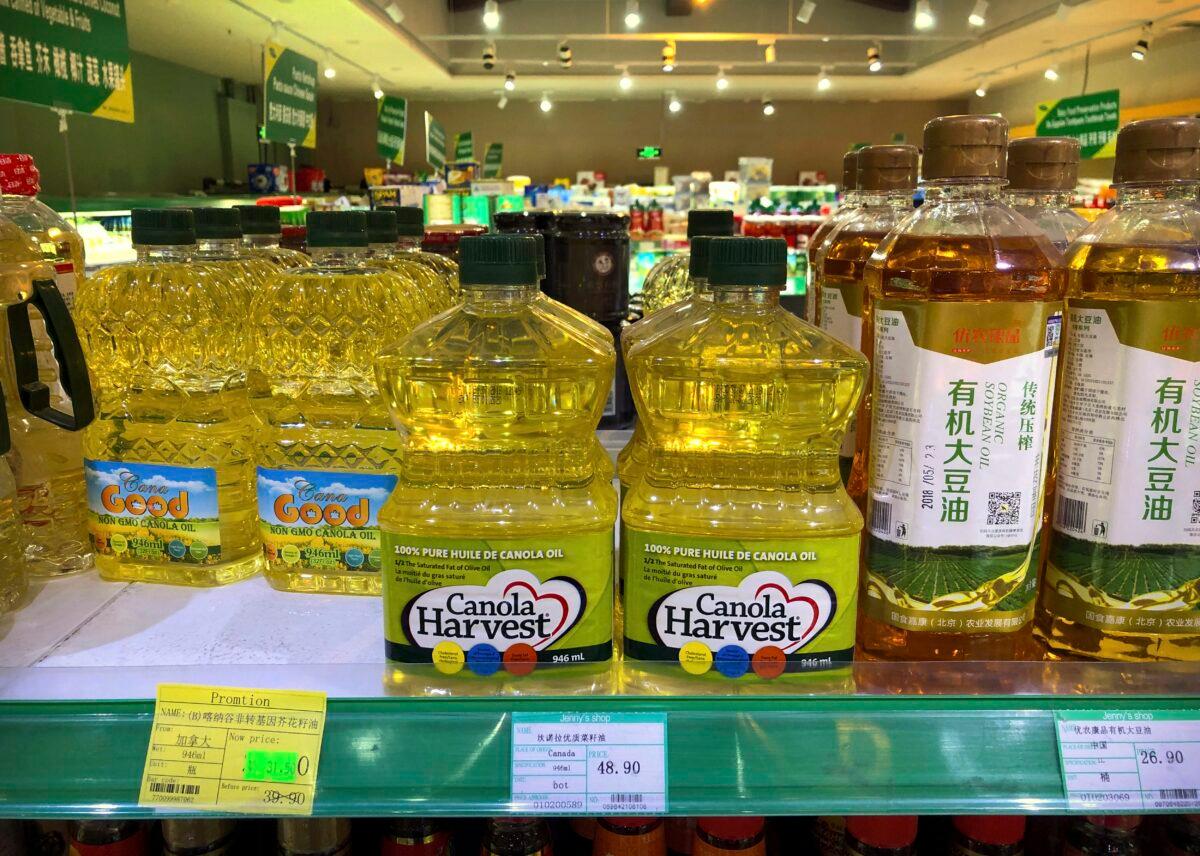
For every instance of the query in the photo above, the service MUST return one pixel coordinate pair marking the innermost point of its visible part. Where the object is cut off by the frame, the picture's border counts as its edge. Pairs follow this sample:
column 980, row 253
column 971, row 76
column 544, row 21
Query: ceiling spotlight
column 376, row 89
column 978, row 16
column 981, row 89
column 625, row 81
column 674, row 105
column 394, row 12
column 874, row 58
column 1051, row 72
column 768, row 107
column 330, row 71
column 489, row 56
column 805, row 13
column 923, row 18
column 824, row 82
column 633, row 18
column 565, row 57
column 668, row 57
column 769, row 52
column 510, row 81
column 722, row 81
column 491, row 14
column 546, row 105
column 503, row 102
column 1143, row 44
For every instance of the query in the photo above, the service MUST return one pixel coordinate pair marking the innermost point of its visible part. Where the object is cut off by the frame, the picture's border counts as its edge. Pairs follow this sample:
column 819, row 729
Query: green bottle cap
column 498, row 260
column 381, row 226
column 337, row 228
column 715, row 221
column 410, row 220
column 540, row 240
column 747, row 261
column 259, row 219
column 217, row 223
column 163, row 226
column 698, row 260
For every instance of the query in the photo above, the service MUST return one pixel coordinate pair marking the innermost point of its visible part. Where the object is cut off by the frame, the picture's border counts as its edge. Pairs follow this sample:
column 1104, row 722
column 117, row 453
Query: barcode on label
column 1179, row 794
column 1195, row 507
column 627, row 798
column 174, row 788
column 881, row 517
column 1072, row 514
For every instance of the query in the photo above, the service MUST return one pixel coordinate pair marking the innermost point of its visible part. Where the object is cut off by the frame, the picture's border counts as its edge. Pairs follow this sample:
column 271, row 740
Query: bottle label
column 322, row 520
column 742, row 607
column 489, row 604
column 960, row 426
column 67, row 281
column 1125, row 554
column 437, row 844
column 841, row 317
column 153, row 512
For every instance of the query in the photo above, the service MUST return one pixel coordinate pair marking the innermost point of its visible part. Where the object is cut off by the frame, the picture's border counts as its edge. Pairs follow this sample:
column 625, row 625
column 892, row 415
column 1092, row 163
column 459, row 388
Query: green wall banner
column 492, row 160
column 1092, row 119
column 67, row 55
column 435, row 143
column 464, row 146
column 290, row 96
column 391, row 128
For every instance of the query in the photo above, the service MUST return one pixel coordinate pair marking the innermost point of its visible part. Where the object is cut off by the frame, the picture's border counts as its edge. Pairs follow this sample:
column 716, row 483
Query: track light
column 805, row 13
column 674, row 105
column 546, row 105
column 824, row 82
column 668, row 57
column 981, row 89
column 503, row 102
column 923, row 17
column 874, row 58
column 330, row 71
column 489, row 56
column 978, row 16
column 722, row 82
column 491, row 14
column 565, row 57
column 510, row 81
column 626, row 81
column 395, row 13
column 376, row 89
column 768, row 107
column 1143, row 44
column 769, row 52
column 633, row 17
column 1051, row 72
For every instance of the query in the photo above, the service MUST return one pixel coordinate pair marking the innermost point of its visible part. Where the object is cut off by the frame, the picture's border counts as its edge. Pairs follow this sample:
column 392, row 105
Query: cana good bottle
column 1103, row 835
column 415, row 837
column 326, row 836
column 504, row 485
column 961, row 321
column 812, row 301
column 1042, row 174
column 630, row 836
column 198, row 837
column 740, row 503
column 506, row 836
column 170, row 458
column 887, row 176
column 262, row 233
column 723, row 836
column 670, row 281
column 109, row 838
column 881, row 836
column 1124, row 560
column 989, row 835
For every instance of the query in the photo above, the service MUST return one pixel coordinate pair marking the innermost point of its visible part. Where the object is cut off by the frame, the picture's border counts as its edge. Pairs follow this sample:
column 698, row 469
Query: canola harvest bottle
column 170, row 458
column 962, row 324
column 1122, row 579
column 742, row 544
column 887, row 177
column 498, row 539
column 1042, row 175
column 410, row 229
column 670, row 280
column 816, row 243
column 327, row 454
column 262, row 234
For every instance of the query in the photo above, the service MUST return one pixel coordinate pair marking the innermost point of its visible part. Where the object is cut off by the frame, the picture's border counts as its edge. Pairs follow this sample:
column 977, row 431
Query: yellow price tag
column 236, row 750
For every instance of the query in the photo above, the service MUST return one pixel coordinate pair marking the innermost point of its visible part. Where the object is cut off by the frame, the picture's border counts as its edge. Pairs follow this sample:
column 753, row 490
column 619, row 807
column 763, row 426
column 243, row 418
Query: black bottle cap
column 259, row 219
column 410, row 220
column 714, row 221
column 217, row 223
column 337, row 228
column 381, row 226
column 698, row 260
column 163, row 226
column 498, row 260
column 747, row 261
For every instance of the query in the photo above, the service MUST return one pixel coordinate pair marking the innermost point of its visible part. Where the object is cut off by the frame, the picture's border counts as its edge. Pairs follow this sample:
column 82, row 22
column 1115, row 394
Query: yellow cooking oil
column 219, row 244
column 846, row 209
column 741, row 561
column 169, row 460
column 422, row 292
column 498, row 539
column 410, row 229
column 671, row 280
column 327, row 454
column 262, row 234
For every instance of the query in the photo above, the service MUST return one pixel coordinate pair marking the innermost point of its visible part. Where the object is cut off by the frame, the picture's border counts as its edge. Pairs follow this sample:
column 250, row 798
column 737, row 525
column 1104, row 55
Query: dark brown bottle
column 415, row 836
column 881, row 836
column 995, row 835
column 198, row 837
column 1108, row 835
column 506, row 836
column 630, row 836
column 1181, row 835
column 326, row 836
column 720, row 836
column 109, row 838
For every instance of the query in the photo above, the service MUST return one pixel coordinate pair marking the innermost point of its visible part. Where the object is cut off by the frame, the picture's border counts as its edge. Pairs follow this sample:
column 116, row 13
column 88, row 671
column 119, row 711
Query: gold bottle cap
column 965, row 147
column 1158, row 150
column 1043, row 163
column 884, row 168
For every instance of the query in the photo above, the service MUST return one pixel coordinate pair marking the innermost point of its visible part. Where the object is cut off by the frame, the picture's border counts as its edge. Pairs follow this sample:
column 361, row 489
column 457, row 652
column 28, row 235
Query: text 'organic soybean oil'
column 741, row 542
column 1042, row 174
column 170, row 458
column 816, row 243
column 962, row 317
column 1123, row 570
column 327, row 454
column 498, row 538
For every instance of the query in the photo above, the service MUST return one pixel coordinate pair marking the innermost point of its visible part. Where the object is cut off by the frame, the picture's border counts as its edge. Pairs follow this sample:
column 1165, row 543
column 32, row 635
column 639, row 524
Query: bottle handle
column 72, row 369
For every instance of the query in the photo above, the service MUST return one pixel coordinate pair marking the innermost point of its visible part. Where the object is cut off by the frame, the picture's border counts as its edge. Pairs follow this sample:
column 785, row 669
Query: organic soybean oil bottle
column 630, row 836
column 498, row 539
column 1042, row 174
column 1104, row 835
column 988, row 835
column 170, row 458
column 207, row 837
column 419, row 292
column 410, row 225
column 262, row 233
column 962, row 322
column 849, row 204
column 894, row 835
column 1122, row 578
column 327, row 454
column 670, row 280
column 741, row 542
column 887, row 177
column 314, row 836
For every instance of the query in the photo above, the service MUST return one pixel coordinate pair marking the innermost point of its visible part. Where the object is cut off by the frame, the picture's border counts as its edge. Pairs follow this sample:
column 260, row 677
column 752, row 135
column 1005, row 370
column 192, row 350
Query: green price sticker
column 266, row 766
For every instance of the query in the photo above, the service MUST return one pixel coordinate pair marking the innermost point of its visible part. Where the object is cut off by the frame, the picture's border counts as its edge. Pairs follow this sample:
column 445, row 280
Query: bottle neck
column 1134, row 194
column 956, row 189
column 498, row 296
column 382, row 251
column 408, row 243
column 886, row 199
column 745, row 296
column 164, row 252
column 218, row 246
column 1039, row 198
column 264, row 241
column 330, row 256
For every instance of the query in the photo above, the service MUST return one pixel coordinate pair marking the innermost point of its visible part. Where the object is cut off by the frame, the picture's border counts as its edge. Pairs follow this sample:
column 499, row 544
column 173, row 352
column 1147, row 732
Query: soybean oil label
column 322, row 520
column 489, row 604
column 753, row 607
column 1125, row 553
column 959, row 435
column 153, row 512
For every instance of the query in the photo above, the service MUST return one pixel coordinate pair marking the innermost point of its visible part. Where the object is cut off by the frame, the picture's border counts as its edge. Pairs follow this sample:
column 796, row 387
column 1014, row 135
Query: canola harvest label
column 491, row 604
column 1125, row 553
column 841, row 317
column 322, row 520
column 153, row 512
column 959, row 445
column 740, row 607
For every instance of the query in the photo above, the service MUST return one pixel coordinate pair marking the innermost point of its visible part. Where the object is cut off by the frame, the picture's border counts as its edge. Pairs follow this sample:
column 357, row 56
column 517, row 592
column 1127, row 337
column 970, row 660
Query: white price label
column 589, row 763
column 1130, row 760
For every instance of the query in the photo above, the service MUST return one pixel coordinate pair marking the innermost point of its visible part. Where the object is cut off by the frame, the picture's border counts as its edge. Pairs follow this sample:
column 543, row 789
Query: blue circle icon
column 483, row 659
column 177, row 549
column 354, row 557
column 732, row 661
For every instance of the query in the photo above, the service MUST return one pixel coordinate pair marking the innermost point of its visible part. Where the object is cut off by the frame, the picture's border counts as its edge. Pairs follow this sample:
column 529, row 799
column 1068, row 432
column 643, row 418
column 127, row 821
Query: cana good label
column 960, row 426
column 754, row 608
column 153, row 512
column 841, row 317
column 322, row 520
column 491, row 604
column 1125, row 553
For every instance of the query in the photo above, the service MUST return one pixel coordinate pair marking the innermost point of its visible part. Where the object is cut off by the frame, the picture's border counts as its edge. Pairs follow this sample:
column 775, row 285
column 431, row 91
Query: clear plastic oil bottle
column 498, row 539
column 670, row 280
column 1042, row 175
column 314, row 836
column 219, row 242
column 849, row 203
column 262, row 234
column 421, row 290
column 741, row 542
column 410, row 226
column 199, row 837
column 1122, row 579
column 170, row 458
column 962, row 322
column 327, row 454
column 887, row 177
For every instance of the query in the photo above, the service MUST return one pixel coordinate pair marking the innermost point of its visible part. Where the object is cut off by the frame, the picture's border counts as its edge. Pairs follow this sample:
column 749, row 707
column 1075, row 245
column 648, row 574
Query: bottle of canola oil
column 410, row 229
column 741, row 542
column 1122, row 577
column 962, row 323
column 887, row 177
column 262, row 234
column 498, row 538
column 816, row 243
column 1042, row 174
column 327, row 454
column 422, row 289
column 670, row 280
column 170, row 458
column 219, row 242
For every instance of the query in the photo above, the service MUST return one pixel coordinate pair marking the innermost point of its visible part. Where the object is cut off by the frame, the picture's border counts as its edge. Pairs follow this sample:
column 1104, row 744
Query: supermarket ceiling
column 435, row 48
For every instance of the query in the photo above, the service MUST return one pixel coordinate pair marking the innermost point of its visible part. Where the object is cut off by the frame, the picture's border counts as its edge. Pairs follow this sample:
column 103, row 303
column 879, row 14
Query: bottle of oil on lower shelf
column 109, row 838
column 416, row 836
column 630, row 836
column 829, row 835
column 816, row 243
column 325, row 836
column 1123, row 568
column 894, row 835
column 1104, row 835
column 1042, row 174
column 681, row 833
column 988, row 835
column 726, row 836
column 580, row 836
column 198, row 837
column 516, row 836
column 1181, row 835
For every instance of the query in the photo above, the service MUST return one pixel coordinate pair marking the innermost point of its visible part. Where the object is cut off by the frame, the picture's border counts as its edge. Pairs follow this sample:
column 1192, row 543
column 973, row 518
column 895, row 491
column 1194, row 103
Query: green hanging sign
column 435, row 143
column 390, row 127
column 493, row 159
column 67, row 55
column 464, row 147
column 1092, row 119
column 289, row 96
